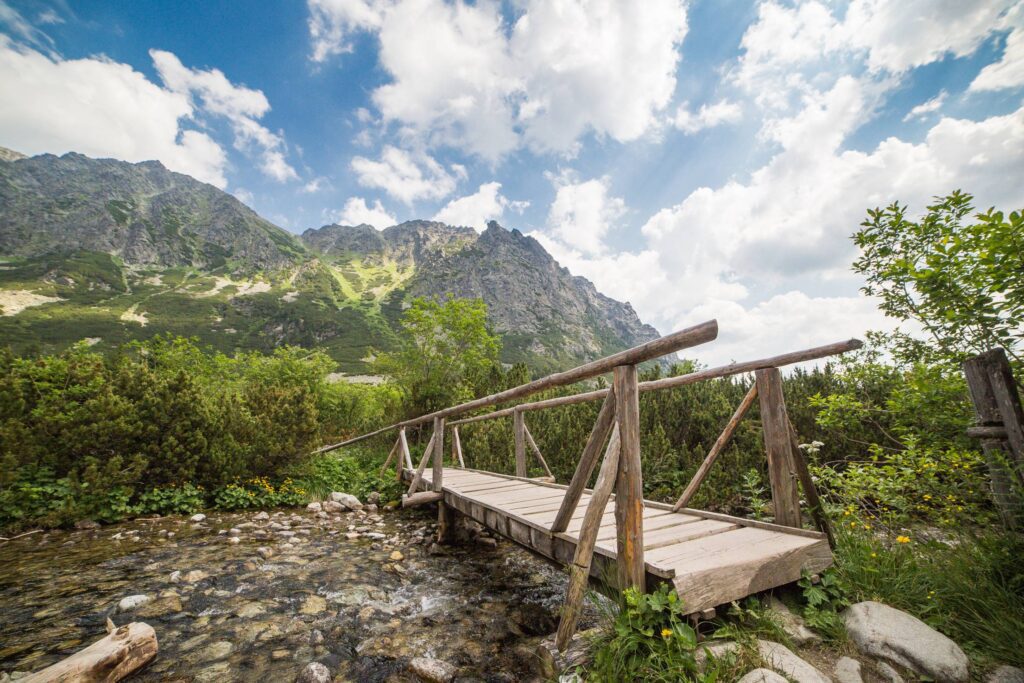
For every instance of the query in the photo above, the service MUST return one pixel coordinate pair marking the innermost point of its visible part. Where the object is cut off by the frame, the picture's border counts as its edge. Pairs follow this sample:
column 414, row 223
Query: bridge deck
column 710, row 558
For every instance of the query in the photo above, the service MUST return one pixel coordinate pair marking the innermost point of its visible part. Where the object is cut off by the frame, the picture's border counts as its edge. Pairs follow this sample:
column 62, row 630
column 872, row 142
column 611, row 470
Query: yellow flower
column 927, row 496
column 903, row 539
column 666, row 632
column 874, row 554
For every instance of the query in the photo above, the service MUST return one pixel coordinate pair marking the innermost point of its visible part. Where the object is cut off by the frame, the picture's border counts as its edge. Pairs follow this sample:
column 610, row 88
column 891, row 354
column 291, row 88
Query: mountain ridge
column 109, row 251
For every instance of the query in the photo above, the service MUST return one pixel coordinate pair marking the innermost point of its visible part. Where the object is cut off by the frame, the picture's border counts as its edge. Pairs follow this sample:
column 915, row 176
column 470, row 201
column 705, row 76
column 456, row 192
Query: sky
column 703, row 159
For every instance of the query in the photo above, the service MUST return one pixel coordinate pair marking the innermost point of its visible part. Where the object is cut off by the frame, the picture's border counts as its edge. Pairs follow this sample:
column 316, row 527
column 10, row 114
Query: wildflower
column 874, row 555
column 927, row 496
column 853, row 525
column 666, row 632
column 903, row 539
column 867, row 527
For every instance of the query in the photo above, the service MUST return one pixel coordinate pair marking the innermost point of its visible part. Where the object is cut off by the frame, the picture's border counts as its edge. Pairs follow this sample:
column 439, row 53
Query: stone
column 396, row 556
column 130, row 602
column 86, row 524
column 265, row 552
column 348, row 500
column 315, row 507
column 234, row 531
column 887, row 673
column 313, row 604
column 792, row 625
column 1006, row 674
column 432, row 670
column 783, row 660
column 848, row 670
column 234, row 539
column 315, row 672
column 280, row 654
column 333, row 506
column 887, row 633
column 197, row 518
column 170, row 604
column 718, row 649
column 175, row 576
column 762, row 676
column 261, row 516
column 316, row 637
column 218, row 650
column 194, row 576
column 373, row 498
column 552, row 663
column 250, row 610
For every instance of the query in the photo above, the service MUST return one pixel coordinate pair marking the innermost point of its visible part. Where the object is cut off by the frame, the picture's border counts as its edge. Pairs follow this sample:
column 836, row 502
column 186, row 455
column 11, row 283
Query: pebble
column 315, row 507
column 762, row 676
column 197, row 518
column 265, row 552
column 314, row 604
column 396, row 556
column 1006, row 674
column 260, row 516
column 848, row 670
column 194, row 576
column 130, row 602
column 432, row 670
column 218, row 650
column 315, row 672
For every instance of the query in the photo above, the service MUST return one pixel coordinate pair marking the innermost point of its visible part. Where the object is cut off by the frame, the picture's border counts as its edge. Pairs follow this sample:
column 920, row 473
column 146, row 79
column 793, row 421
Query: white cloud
column 925, row 108
column 21, row 27
column 241, row 106
column 583, row 213
column 316, row 185
column 356, row 212
column 406, row 176
column 560, row 71
column 1008, row 72
column 243, row 195
column 475, row 210
column 708, row 116
column 100, row 108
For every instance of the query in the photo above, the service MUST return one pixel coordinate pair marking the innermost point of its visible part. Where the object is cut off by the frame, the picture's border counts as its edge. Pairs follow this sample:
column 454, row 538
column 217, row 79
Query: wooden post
column 579, row 570
column 438, row 443
column 629, row 485
column 114, row 657
column 405, row 448
column 810, row 490
column 585, row 467
column 536, row 450
column 518, row 430
column 1006, row 468
column 720, row 443
column 781, row 471
column 418, row 477
column 457, row 447
column 391, row 454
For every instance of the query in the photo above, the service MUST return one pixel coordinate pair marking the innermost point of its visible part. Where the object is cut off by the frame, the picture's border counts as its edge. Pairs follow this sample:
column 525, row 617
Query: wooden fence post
column 438, row 473
column 457, row 447
column 519, row 431
column 585, row 467
column 990, row 383
column 629, row 485
column 781, row 470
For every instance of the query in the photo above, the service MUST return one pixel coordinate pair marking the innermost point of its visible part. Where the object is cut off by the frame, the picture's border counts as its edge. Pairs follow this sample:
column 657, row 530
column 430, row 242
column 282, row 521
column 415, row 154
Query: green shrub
column 260, row 493
column 354, row 471
column 172, row 500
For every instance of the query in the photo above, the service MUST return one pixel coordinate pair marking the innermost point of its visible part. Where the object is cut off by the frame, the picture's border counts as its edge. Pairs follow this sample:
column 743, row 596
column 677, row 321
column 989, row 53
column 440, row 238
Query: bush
column 354, row 471
column 172, row 500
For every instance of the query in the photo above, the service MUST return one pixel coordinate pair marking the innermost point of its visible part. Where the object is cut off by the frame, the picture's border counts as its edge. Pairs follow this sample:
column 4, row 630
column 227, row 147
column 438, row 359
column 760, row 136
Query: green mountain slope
column 107, row 251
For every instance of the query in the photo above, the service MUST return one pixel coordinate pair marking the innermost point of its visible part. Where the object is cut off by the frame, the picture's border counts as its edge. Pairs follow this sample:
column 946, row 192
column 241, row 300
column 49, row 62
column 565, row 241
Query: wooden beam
column 391, row 454
column 418, row 477
column 717, row 448
column 519, row 436
column 421, row 498
column 781, row 471
column 629, row 486
column 536, row 451
column 405, row 447
column 810, row 490
column 579, row 570
column 585, row 467
column 438, row 443
column 457, row 447
column 683, row 380
column 115, row 656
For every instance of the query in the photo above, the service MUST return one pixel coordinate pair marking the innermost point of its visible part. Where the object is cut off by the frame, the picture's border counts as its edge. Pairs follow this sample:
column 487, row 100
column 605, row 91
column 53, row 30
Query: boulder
column 86, row 524
column 792, row 625
column 552, row 662
column 762, row 676
column 348, row 500
column 432, row 670
column 1006, row 674
column 718, row 649
column 887, row 633
column 333, row 506
column 887, row 673
column 261, row 516
column 315, row 507
column 315, row 672
column 198, row 517
column 373, row 498
column 130, row 602
column 783, row 660
column 848, row 670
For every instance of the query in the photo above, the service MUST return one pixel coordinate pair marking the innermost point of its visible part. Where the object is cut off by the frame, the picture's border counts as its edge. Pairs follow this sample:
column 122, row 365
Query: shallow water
column 319, row 597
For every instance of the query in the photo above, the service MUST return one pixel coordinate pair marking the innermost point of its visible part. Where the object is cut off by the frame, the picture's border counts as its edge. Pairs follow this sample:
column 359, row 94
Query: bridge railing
column 616, row 431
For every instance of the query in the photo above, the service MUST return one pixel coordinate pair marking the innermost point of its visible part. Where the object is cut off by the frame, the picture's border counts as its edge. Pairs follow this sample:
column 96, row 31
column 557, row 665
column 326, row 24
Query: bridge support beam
column 629, row 486
column 782, row 473
column 519, row 432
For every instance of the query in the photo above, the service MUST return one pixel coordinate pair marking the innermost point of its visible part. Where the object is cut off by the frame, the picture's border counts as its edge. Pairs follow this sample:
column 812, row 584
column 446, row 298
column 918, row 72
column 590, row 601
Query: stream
column 258, row 596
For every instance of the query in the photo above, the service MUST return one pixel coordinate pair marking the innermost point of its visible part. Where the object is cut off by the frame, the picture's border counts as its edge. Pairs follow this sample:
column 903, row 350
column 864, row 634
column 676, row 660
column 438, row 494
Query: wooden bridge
column 710, row 559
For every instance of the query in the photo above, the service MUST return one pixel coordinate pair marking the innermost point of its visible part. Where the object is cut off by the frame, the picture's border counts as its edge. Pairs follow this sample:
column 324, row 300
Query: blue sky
column 698, row 159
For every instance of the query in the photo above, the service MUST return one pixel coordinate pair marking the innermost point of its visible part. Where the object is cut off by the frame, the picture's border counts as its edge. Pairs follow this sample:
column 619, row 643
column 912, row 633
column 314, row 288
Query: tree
column 962, row 282
column 445, row 353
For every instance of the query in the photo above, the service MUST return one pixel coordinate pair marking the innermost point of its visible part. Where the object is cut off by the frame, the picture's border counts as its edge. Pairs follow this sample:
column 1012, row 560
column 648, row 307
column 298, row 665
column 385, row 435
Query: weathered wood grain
column 629, row 486
column 585, row 467
column 775, row 425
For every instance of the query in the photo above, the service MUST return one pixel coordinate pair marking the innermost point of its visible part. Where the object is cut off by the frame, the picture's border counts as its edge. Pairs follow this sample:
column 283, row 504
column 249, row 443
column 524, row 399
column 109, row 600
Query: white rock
column 234, row 539
column 175, row 576
column 762, row 676
column 261, row 516
column 783, row 660
column 1006, row 674
column 348, row 500
column 887, row 673
column 315, row 507
column 717, row 649
column 315, row 672
column 333, row 506
column 132, row 601
column 432, row 670
column 792, row 625
column 265, row 552
column 198, row 517
column 848, row 670
column 887, row 633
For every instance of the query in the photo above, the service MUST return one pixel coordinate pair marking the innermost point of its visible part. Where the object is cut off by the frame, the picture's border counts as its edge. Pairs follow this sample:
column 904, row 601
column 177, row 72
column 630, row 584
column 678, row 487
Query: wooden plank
column 510, row 497
column 457, row 447
column 536, row 450
column 421, row 498
column 665, row 538
column 720, row 443
column 418, row 477
column 391, row 454
column 405, row 448
column 629, row 487
column 519, row 436
column 585, row 467
column 737, row 543
column 490, row 486
column 437, row 480
column 550, row 504
column 579, row 570
column 775, row 425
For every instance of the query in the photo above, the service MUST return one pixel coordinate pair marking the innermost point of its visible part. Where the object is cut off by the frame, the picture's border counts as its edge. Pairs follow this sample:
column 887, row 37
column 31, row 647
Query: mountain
column 109, row 251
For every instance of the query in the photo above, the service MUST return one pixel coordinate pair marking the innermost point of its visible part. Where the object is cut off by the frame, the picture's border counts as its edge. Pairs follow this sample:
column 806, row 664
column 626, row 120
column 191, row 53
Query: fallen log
column 421, row 498
column 120, row 653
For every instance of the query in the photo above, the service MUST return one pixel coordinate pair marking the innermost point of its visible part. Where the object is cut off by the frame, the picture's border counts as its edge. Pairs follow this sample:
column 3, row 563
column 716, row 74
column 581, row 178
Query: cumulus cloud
column 475, row 210
column 928, row 107
column 559, row 71
column 356, row 212
column 583, row 212
column 708, row 116
column 406, row 176
column 242, row 107
column 100, row 108
column 1008, row 72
